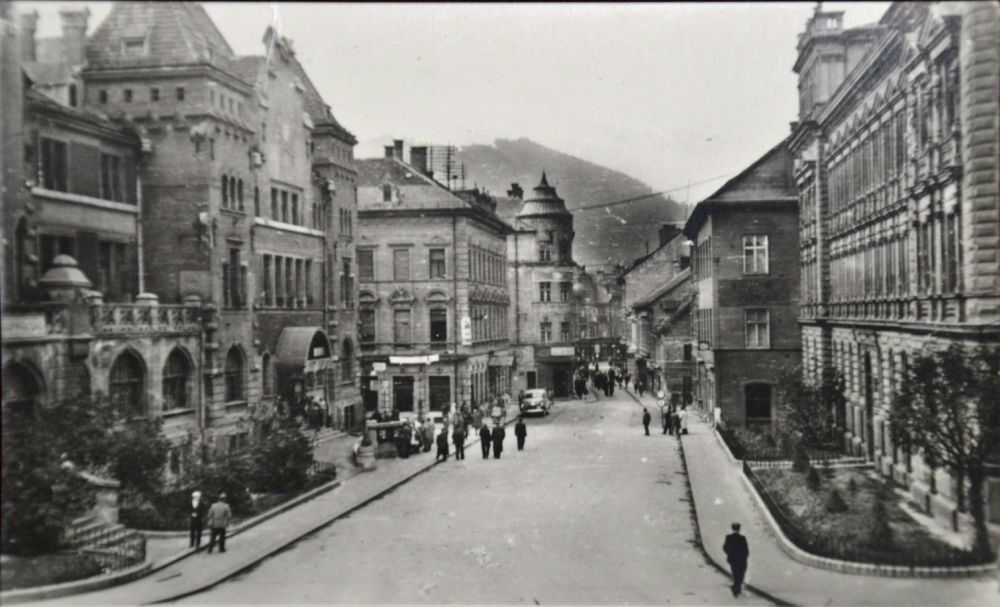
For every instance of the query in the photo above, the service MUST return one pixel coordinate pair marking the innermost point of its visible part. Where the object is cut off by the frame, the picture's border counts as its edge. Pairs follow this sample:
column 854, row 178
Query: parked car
column 536, row 400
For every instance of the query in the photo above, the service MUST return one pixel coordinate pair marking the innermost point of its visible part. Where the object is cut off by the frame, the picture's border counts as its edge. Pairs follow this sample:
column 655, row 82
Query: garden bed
column 805, row 518
column 766, row 445
column 27, row 572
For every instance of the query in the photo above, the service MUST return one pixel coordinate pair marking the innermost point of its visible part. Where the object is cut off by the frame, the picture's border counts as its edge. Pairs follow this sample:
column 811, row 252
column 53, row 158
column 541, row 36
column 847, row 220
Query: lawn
column 848, row 535
column 26, row 572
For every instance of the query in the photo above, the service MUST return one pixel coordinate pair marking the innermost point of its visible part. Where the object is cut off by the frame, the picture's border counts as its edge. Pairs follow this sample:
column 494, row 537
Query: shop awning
column 304, row 348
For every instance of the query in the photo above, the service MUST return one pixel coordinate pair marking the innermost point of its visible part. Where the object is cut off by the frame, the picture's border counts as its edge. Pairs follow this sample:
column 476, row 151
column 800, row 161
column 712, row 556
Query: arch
column 177, row 380
column 347, row 360
column 235, row 374
column 437, row 296
column 23, row 388
column 366, row 297
column 127, row 383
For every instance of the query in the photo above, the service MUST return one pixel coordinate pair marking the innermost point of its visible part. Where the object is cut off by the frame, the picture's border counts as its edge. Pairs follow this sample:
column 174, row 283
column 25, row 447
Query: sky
column 671, row 94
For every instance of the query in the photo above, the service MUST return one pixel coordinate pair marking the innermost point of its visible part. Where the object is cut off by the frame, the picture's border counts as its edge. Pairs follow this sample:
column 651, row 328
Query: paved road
column 592, row 512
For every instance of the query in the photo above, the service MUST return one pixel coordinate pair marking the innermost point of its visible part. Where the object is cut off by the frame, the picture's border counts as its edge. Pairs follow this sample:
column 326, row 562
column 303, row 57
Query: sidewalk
column 201, row 571
column 722, row 497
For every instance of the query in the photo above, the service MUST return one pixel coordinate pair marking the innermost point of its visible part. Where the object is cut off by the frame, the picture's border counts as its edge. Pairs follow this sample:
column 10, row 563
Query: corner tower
column 546, row 215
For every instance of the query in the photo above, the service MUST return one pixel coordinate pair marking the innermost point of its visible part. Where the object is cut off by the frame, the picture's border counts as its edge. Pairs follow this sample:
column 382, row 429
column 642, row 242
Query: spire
column 545, row 181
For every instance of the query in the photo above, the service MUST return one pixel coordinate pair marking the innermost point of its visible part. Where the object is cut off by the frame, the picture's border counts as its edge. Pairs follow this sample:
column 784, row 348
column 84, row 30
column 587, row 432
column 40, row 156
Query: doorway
column 532, row 380
column 402, row 393
column 560, row 381
column 439, row 387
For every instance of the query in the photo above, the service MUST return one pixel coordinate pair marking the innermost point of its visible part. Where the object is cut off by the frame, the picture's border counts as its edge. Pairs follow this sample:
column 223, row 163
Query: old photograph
column 323, row 303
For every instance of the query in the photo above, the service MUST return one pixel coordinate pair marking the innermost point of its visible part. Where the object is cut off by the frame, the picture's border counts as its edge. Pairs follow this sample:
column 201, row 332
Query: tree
column 138, row 454
column 809, row 411
column 949, row 410
column 281, row 459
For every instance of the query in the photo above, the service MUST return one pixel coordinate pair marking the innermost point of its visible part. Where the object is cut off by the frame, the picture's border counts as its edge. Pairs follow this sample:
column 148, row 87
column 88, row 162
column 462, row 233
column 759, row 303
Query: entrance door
column 402, row 393
column 532, row 380
column 560, row 379
column 440, row 392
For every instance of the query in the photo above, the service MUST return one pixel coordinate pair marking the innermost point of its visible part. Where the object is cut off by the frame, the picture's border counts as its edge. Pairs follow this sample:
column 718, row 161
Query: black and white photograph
column 432, row 303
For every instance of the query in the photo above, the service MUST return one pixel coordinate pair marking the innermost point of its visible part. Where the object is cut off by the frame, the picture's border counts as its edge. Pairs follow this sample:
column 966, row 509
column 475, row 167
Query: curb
column 54, row 591
column 698, row 540
column 856, row 568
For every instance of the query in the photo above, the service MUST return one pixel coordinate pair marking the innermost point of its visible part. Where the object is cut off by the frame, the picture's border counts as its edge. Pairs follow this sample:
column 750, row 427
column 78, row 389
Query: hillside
column 603, row 236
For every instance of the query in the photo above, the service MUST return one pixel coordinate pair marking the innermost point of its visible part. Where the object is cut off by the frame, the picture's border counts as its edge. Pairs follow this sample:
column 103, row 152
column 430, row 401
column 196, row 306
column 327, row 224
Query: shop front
column 304, row 373
column 555, row 369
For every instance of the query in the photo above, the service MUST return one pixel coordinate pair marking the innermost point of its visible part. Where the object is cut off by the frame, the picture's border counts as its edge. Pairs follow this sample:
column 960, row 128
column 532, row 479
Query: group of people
column 489, row 439
column 674, row 420
column 605, row 381
column 216, row 518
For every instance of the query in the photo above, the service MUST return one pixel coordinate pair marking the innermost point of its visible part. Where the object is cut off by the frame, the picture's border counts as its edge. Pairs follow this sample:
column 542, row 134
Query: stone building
column 209, row 200
column 896, row 150
column 745, row 271
column 433, row 299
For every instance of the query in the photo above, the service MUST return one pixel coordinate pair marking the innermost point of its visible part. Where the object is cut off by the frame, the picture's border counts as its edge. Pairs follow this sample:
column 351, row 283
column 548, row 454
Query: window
column 565, row 249
column 279, row 285
column 225, row 191
column 274, row 204
column 544, row 252
column 268, row 281
column 564, row 331
column 437, row 266
column 256, row 201
column 180, row 93
column 176, row 382
column 126, row 384
column 102, row 96
column 111, row 177
column 757, row 330
column 366, row 265
column 234, row 375
column 111, row 276
column 154, row 94
column 386, row 193
column 347, row 361
column 347, row 284
column 401, row 326
column 545, row 331
column 284, row 206
column 53, row 246
column 295, row 209
column 53, row 165
column 565, row 291
column 127, row 94
column 234, row 276
column 439, row 324
column 401, row 264
column 72, row 95
column 133, row 46
column 366, row 326
column 239, row 192
column 757, row 398
column 755, row 254
column 545, row 291
column 310, row 300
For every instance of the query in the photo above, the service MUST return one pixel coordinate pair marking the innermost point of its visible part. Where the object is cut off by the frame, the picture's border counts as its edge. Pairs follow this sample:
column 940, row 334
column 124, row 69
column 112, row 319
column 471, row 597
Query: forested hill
column 603, row 236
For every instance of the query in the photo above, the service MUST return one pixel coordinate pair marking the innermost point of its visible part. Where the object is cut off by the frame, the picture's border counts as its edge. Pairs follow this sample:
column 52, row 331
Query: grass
column 847, row 535
column 27, row 572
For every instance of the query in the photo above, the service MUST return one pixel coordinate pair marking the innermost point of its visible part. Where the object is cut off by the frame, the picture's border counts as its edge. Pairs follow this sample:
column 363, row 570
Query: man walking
column 737, row 552
column 198, row 510
column 498, row 435
column 521, row 432
column 646, row 418
column 218, row 519
column 458, row 437
column 484, row 441
column 442, row 445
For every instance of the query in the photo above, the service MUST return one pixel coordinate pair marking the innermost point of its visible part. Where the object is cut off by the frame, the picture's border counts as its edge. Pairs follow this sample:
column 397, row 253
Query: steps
column 90, row 532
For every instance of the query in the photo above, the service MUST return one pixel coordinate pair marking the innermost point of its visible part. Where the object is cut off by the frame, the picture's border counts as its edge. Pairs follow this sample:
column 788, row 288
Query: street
column 592, row 511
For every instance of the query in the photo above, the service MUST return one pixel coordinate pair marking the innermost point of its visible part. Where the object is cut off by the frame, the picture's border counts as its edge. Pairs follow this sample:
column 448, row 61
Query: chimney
column 418, row 158
column 74, row 28
column 397, row 148
column 668, row 232
column 389, row 152
column 29, row 24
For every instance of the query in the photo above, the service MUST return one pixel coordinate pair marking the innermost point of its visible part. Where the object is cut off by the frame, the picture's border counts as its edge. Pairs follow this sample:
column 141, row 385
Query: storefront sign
column 562, row 351
column 414, row 360
column 378, row 366
column 466, row 331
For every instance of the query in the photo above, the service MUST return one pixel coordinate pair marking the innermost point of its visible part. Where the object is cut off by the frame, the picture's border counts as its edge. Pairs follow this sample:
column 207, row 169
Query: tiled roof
column 35, row 100
column 412, row 189
column 651, row 297
column 315, row 106
column 46, row 74
column 176, row 33
column 248, row 68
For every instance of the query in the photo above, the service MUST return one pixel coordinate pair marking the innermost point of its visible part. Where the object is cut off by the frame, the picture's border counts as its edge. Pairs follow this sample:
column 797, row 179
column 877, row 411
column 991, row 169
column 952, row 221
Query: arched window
column 126, row 386
column 21, row 389
column 232, row 192
column 234, row 375
column 239, row 192
column 176, row 382
column 347, row 361
column 225, row 191
column 267, row 376
column 757, row 398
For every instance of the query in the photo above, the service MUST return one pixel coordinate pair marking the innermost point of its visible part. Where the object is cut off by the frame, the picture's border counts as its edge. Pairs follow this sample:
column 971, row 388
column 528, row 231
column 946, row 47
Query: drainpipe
column 456, row 322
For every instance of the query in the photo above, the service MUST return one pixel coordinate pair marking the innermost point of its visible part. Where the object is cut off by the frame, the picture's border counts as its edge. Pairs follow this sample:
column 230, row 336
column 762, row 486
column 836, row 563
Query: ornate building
column 896, row 165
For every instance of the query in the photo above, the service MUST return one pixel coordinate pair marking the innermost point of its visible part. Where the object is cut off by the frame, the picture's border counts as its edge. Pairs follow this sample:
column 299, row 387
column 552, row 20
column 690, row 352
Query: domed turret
column 544, row 202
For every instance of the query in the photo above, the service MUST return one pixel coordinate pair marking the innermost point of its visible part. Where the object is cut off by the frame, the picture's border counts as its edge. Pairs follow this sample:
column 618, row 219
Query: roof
column 176, row 33
column 664, row 323
column 35, row 100
column 47, row 74
column 247, row 68
column 545, row 201
column 295, row 346
column 413, row 189
column 663, row 289
column 768, row 179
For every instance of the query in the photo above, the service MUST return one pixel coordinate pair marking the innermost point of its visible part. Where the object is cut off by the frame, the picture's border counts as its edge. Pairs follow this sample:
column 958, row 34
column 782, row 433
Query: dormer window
column 386, row 193
column 134, row 47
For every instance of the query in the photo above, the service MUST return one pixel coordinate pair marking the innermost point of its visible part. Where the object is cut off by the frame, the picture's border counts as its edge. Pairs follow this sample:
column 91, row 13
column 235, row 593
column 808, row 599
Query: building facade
column 745, row 272
column 896, row 163
column 433, row 300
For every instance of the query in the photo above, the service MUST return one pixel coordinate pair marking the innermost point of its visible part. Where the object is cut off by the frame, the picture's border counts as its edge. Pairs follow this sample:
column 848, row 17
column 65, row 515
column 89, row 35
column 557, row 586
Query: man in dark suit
column 498, row 435
column 737, row 552
column 521, row 432
column 646, row 418
column 199, row 508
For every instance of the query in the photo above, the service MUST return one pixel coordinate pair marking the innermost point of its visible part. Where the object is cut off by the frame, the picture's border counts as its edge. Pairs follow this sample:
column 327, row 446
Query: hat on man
column 222, row 495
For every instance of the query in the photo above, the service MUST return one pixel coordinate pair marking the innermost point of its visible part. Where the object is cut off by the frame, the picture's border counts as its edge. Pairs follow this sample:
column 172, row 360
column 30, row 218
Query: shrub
column 812, row 479
column 852, row 485
column 880, row 533
column 801, row 461
column 281, row 459
column 836, row 503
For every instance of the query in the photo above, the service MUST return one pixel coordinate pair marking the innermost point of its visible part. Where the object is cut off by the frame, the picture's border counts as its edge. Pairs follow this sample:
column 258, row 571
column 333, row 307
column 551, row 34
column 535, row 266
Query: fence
column 122, row 555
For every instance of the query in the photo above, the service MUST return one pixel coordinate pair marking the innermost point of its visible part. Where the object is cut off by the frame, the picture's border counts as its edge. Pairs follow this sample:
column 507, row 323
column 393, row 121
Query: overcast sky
column 670, row 94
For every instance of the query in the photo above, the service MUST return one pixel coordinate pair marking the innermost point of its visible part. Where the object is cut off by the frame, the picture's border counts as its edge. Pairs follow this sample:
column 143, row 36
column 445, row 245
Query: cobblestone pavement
column 591, row 512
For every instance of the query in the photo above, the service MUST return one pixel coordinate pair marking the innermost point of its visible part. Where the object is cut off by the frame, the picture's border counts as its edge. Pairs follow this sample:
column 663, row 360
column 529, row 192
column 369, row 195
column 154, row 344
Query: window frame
column 396, row 265
column 752, row 253
column 437, row 268
column 756, row 323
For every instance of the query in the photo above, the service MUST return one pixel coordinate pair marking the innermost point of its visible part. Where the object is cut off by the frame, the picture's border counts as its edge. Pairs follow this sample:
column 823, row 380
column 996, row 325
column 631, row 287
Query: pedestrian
column 218, row 519
column 458, row 437
column 521, row 432
column 737, row 552
column 682, row 419
column 498, row 435
column 665, row 420
column 646, row 418
column 198, row 510
column 640, row 385
column 675, row 419
column 442, row 445
column 484, row 440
